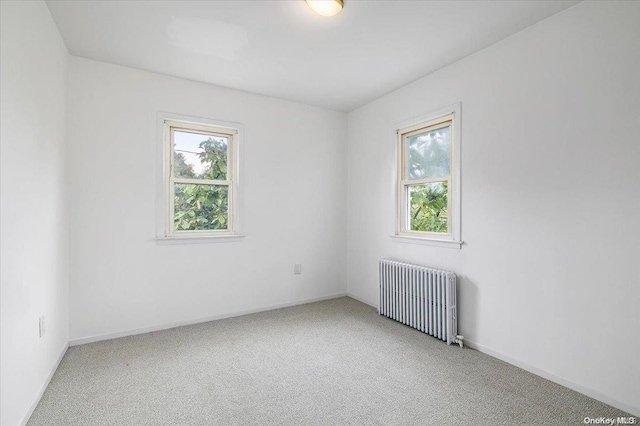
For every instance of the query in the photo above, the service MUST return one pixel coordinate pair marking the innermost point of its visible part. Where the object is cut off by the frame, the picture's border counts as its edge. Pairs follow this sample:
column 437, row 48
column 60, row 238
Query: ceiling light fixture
column 325, row 7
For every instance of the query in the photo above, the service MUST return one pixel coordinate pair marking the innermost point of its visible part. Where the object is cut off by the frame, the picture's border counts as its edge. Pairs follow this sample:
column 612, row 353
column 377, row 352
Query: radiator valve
column 459, row 340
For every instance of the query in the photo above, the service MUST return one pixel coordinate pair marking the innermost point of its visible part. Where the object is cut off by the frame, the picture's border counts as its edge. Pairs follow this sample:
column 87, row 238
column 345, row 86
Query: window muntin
column 425, row 179
column 201, row 170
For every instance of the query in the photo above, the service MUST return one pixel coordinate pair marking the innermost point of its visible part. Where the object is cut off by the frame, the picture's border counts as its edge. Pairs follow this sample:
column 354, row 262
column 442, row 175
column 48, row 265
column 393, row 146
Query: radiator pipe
column 459, row 340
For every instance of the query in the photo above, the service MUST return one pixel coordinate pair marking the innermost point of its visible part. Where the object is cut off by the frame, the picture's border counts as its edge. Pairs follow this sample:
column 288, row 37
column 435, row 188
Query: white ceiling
column 282, row 49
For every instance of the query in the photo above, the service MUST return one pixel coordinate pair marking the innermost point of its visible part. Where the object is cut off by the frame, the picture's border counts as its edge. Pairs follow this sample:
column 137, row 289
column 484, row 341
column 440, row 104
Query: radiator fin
column 420, row 297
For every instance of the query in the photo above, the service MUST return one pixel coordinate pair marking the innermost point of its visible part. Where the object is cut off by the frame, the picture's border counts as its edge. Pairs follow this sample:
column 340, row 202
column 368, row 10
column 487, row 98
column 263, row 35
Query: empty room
column 332, row 212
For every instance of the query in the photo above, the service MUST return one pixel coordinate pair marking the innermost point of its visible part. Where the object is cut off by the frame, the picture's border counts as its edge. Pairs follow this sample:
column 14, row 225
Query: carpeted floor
column 329, row 363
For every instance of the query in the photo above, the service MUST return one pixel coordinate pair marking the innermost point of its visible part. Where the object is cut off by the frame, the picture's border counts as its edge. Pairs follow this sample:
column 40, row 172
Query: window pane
column 200, row 207
column 428, row 154
column 428, row 207
column 199, row 156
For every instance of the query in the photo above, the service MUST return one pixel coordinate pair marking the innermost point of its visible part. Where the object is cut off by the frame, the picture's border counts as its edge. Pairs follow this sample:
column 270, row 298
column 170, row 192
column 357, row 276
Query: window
column 200, row 179
column 428, row 178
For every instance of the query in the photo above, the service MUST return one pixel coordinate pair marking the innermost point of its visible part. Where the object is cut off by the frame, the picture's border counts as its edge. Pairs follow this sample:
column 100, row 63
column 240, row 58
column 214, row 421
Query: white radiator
column 420, row 297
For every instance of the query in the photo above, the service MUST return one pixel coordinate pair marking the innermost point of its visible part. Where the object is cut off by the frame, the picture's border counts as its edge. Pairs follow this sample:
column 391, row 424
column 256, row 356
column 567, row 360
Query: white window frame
column 452, row 239
column 167, row 124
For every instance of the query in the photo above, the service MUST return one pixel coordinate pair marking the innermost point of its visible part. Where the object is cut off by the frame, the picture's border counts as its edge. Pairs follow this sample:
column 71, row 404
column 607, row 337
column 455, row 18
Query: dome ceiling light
column 326, row 7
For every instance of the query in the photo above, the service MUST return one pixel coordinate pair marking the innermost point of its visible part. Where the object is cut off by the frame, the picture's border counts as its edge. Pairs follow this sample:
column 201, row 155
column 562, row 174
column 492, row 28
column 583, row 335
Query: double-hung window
column 200, row 179
column 428, row 178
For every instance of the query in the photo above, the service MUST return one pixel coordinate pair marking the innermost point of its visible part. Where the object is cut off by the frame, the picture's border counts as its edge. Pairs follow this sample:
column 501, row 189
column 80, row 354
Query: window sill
column 451, row 244
column 198, row 239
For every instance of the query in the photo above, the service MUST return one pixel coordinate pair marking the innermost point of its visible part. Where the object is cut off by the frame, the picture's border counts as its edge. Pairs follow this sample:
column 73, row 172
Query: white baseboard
column 556, row 379
column 36, row 400
column 360, row 299
column 549, row 376
column 538, row 372
column 142, row 330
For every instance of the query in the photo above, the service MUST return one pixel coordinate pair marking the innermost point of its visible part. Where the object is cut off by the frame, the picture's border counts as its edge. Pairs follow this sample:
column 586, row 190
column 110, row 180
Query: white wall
column 550, row 272
column 34, row 276
column 550, row 275
column 292, row 200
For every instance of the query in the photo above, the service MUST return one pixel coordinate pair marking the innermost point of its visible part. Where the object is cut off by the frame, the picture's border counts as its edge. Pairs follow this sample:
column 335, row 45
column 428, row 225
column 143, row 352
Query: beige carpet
column 328, row 363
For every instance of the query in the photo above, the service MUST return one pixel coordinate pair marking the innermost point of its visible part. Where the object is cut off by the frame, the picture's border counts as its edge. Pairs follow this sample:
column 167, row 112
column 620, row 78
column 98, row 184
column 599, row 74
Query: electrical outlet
column 41, row 325
column 297, row 268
